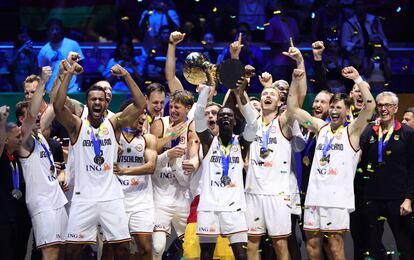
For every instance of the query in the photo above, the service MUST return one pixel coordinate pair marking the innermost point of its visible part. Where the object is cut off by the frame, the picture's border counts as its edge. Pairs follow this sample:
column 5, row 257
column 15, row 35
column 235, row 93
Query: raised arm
column 4, row 114
column 201, row 128
column 63, row 114
column 295, row 54
column 121, row 120
column 250, row 115
column 150, row 156
column 173, row 82
column 358, row 125
column 294, row 112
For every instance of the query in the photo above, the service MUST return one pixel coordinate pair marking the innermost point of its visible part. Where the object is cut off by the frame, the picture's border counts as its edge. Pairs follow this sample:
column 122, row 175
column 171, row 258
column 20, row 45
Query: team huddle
column 222, row 175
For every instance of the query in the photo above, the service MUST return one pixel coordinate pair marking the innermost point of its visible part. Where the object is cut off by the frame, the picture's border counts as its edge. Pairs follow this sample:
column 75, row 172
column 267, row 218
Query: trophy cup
column 227, row 73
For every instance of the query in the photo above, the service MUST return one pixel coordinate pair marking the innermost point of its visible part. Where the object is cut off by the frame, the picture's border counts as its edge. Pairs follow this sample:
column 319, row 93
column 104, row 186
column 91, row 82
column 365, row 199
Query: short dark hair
column 410, row 109
column 94, row 88
column 21, row 108
column 182, row 96
column 341, row 96
column 155, row 87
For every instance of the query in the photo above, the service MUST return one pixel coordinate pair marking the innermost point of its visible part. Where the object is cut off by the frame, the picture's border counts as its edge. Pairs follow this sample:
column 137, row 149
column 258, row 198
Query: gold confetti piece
column 386, row 84
column 381, row 218
column 153, row 51
column 214, row 9
column 366, row 177
column 266, row 24
column 277, row 12
column 148, row 82
column 359, row 170
column 125, row 18
column 150, row 12
column 312, row 80
column 388, row 152
column 405, row 67
column 260, row 250
column 203, row 42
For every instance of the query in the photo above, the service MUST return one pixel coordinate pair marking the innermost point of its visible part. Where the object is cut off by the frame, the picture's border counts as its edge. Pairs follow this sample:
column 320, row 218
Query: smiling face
column 226, row 120
column 357, row 97
column 139, row 123
column 269, row 100
column 387, row 108
column 409, row 119
column 338, row 112
column 155, row 103
column 320, row 105
column 97, row 104
column 178, row 112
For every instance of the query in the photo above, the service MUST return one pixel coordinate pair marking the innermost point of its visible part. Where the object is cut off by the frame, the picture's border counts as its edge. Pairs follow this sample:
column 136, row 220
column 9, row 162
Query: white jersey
column 214, row 195
column 137, row 189
column 196, row 177
column 94, row 182
column 169, row 183
column 85, row 113
column 331, row 184
column 270, row 175
column 43, row 191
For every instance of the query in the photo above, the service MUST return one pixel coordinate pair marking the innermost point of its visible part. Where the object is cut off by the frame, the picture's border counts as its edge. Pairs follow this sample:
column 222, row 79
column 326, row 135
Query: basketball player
column 136, row 162
column 44, row 197
column 330, row 196
column 177, row 147
column 222, row 203
column 98, row 196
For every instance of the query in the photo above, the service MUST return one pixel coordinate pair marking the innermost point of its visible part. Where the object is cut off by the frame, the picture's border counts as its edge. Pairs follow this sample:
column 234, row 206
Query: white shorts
column 49, row 227
column 267, row 212
column 84, row 218
column 165, row 215
column 325, row 219
column 214, row 223
column 141, row 222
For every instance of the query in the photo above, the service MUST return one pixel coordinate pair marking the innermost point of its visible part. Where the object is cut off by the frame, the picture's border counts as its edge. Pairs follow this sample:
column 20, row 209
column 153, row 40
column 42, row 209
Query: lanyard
column 265, row 135
column 95, row 138
column 382, row 144
column 225, row 155
column 49, row 155
column 327, row 144
column 15, row 172
column 309, row 143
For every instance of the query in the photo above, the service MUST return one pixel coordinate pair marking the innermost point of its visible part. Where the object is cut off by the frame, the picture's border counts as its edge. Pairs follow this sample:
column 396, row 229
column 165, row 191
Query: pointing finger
column 291, row 42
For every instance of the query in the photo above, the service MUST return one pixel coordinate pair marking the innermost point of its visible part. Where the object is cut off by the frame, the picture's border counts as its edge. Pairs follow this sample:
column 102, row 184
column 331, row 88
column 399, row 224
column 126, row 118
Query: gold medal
column 323, row 161
column 306, row 160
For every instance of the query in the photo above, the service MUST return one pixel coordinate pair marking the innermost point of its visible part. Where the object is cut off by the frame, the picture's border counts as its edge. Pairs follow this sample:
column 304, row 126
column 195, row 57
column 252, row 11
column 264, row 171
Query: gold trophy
column 196, row 66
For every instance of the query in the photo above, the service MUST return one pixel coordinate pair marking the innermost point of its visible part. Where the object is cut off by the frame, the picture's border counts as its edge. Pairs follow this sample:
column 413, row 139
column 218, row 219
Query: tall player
column 222, row 203
column 136, row 162
column 44, row 197
column 98, row 196
column 268, row 189
column 330, row 196
column 177, row 147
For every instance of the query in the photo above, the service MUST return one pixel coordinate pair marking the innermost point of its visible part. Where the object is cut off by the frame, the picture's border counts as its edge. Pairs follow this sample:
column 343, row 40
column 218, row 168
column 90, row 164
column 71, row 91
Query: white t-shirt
column 50, row 57
column 43, row 191
column 332, row 184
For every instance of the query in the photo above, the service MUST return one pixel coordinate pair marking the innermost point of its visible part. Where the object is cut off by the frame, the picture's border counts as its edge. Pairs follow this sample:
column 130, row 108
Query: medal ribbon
column 265, row 136
column 225, row 156
column 15, row 172
column 49, row 155
column 383, row 144
column 327, row 144
column 309, row 143
column 96, row 141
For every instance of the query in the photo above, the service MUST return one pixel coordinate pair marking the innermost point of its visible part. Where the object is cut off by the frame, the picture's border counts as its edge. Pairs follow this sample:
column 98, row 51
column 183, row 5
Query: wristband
column 358, row 80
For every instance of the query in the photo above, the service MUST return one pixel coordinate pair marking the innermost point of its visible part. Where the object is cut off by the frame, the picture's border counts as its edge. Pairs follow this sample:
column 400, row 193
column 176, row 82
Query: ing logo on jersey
column 139, row 148
column 330, row 171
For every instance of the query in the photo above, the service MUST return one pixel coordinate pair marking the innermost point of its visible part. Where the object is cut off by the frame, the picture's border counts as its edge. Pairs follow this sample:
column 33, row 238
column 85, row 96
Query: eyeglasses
column 387, row 106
